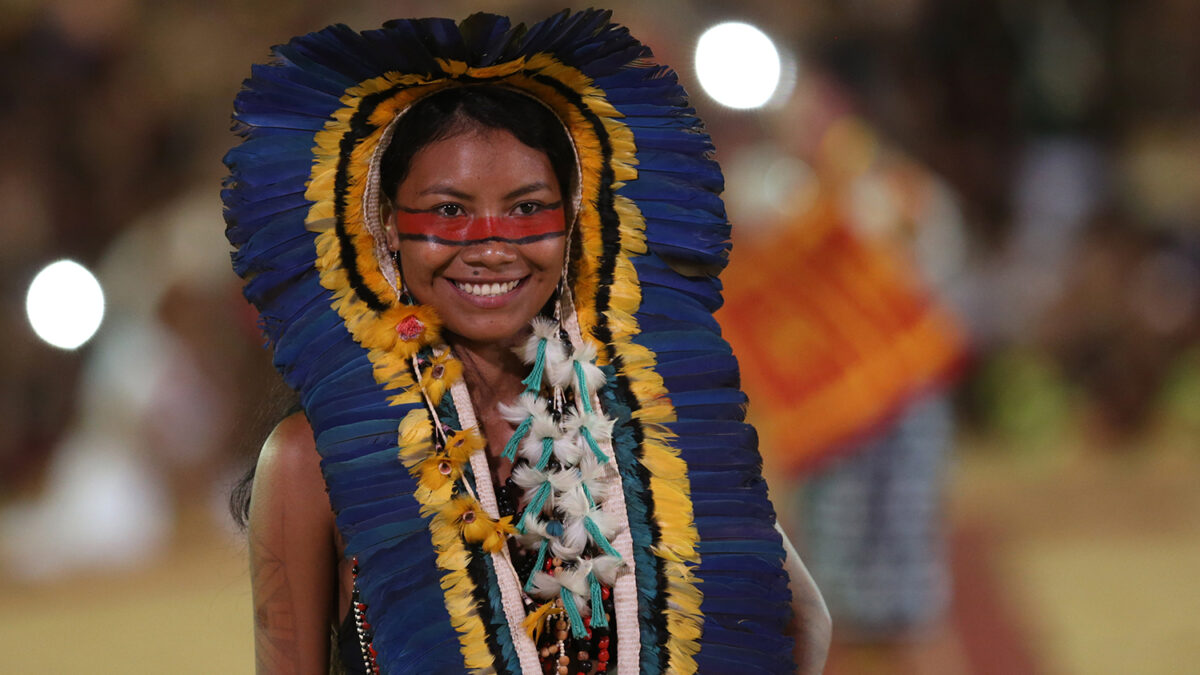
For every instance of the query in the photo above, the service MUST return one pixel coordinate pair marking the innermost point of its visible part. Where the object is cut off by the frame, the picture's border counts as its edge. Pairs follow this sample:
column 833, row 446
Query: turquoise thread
column 537, row 566
column 535, row 504
column 581, row 392
column 547, row 450
column 510, row 448
column 598, row 618
column 598, row 537
column 533, row 381
column 568, row 599
column 591, row 441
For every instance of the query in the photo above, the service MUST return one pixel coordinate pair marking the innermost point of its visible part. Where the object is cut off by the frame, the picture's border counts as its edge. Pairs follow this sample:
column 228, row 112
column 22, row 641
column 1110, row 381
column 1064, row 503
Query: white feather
column 568, row 450
column 535, row 533
column 530, row 448
column 574, row 581
column 606, row 568
column 573, row 540
column 544, row 328
column 599, row 425
column 586, row 352
column 525, row 406
column 564, row 480
column 555, row 351
column 528, row 477
column 591, row 473
column 544, row 427
column 544, row 586
column 593, row 377
column 607, row 524
column 574, row 502
column 560, row 370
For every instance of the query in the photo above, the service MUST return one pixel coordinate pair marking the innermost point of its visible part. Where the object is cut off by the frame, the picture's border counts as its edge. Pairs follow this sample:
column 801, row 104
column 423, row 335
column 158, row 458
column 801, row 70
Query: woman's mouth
column 488, row 290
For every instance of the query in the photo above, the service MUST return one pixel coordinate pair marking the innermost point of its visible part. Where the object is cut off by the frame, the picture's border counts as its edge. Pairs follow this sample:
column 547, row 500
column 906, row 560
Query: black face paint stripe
column 471, row 242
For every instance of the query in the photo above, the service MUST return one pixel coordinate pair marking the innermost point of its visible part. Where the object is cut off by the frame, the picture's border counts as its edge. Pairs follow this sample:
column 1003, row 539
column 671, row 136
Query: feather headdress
column 711, row 595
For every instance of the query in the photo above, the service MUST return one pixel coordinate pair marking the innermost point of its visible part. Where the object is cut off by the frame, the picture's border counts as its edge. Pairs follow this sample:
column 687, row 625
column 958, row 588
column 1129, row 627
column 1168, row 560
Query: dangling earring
column 406, row 298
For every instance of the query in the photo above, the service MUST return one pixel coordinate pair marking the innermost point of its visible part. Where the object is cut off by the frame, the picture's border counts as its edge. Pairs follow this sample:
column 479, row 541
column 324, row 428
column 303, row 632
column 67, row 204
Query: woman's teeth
column 487, row 290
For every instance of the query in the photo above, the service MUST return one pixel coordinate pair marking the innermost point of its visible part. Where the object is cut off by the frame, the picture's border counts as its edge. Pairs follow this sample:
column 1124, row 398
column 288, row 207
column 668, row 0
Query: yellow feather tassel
column 535, row 621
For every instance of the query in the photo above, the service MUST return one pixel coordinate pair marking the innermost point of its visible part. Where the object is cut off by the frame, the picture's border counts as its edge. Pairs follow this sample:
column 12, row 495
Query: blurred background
column 965, row 291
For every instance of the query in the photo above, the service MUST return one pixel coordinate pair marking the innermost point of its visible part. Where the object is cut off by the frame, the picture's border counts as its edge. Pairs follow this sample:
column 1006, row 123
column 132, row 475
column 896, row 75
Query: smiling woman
column 479, row 222
column 524, row 417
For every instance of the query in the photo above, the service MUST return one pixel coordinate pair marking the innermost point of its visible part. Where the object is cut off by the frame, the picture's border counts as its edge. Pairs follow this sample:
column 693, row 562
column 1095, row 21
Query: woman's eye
column 528, row 208
column 449, row 210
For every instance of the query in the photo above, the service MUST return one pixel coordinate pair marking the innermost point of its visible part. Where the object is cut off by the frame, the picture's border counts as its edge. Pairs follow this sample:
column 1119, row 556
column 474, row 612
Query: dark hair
column 255, row 424
column 451, row 111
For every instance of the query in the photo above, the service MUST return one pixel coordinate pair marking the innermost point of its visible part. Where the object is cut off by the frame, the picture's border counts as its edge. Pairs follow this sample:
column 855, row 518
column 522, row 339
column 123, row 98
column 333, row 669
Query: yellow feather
column 535, row 621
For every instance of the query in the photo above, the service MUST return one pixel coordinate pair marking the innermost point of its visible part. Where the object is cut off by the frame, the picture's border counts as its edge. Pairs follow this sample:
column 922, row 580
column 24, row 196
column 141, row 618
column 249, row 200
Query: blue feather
column 670, row 305
column 703, row 289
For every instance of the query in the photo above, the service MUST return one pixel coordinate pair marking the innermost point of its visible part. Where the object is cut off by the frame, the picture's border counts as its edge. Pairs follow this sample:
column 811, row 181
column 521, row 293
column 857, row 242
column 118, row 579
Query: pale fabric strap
column 625, row 603
column 371, row 203
column 510, row 585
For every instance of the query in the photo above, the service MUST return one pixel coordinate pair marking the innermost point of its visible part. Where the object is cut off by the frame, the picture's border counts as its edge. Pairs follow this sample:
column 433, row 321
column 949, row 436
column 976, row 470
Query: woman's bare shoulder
column 291, row 437
column 289, row 467
column 290, row 450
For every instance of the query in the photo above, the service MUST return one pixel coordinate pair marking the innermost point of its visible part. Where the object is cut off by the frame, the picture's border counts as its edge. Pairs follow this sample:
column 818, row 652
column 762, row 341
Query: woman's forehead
column 479, row 161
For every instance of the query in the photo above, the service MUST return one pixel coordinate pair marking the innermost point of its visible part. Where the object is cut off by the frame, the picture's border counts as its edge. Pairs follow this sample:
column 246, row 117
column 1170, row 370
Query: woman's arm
column 813, row 627
column 292, row 554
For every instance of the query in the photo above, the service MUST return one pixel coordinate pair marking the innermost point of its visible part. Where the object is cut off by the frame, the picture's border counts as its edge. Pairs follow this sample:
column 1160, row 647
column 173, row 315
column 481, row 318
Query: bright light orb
column 65, row 304
column 738, row 65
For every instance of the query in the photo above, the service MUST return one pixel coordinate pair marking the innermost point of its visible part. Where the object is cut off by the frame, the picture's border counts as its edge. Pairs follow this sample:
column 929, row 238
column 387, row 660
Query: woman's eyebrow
column 527, row 189
column 442, row 189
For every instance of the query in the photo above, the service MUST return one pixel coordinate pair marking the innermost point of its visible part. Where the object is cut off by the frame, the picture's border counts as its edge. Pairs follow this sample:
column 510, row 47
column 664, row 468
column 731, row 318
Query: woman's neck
column 493, row 371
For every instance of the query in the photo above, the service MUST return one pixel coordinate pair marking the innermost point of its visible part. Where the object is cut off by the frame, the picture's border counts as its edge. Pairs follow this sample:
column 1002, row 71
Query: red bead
column 603, row 655
column 604, row 592
column 601, row 667
column 603, row 643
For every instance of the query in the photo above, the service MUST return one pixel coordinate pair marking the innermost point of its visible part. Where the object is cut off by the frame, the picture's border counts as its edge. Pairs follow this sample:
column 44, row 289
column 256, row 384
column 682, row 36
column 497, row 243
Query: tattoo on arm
column 275, row 639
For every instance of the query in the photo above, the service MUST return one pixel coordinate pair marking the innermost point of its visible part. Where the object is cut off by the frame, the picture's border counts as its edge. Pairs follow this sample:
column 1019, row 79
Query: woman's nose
column 490, row 254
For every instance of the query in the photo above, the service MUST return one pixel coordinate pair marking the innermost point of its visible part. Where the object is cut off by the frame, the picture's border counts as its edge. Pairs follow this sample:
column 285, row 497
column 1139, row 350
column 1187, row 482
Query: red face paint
column 466, row 230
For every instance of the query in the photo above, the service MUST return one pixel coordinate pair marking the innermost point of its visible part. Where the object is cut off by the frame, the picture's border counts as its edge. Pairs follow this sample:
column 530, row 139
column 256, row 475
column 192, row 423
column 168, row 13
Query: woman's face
column 480, row 228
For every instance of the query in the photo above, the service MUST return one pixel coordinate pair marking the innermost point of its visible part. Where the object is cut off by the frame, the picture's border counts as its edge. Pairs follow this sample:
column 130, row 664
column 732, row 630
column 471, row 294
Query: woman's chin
column 506, row 333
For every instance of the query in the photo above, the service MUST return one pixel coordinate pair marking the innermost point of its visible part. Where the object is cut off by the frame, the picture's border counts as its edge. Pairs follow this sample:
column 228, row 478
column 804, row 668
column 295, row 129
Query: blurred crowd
column 1031, row 165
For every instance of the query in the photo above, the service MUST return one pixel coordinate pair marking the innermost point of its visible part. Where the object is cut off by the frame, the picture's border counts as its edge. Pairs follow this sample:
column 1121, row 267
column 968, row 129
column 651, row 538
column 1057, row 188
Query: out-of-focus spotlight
column 737, row 65
column 65, row 304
